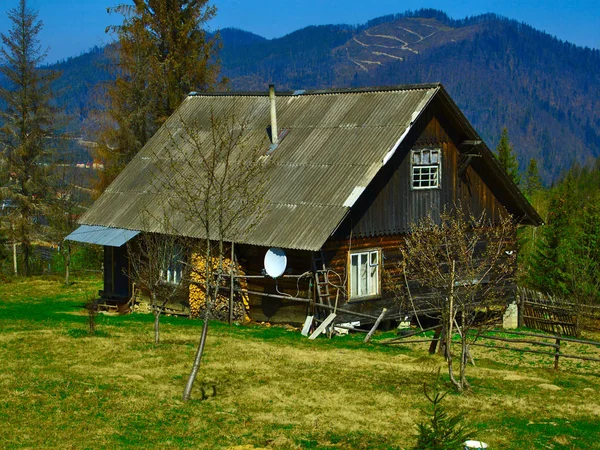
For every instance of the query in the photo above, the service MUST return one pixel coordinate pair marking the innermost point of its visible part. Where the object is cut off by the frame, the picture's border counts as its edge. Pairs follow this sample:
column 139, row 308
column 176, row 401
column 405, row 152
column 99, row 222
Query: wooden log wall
column 392, row 281
column 269, row 309
column 390, row 205
column 336, row 252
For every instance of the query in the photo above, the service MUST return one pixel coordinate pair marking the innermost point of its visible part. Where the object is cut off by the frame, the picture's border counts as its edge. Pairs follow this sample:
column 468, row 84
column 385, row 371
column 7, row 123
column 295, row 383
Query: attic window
column 426, row 166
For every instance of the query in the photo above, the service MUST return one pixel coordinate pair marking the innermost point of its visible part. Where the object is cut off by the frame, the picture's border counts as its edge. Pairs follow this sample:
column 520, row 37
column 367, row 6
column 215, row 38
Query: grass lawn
column 63, row 388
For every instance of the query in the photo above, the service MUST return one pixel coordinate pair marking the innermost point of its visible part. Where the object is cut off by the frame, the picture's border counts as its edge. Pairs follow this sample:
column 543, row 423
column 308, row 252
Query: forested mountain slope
column 500, row 72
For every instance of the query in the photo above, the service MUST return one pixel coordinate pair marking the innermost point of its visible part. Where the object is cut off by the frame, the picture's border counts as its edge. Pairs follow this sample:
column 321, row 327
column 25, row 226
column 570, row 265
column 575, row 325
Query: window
column 426, row 168
column 173, row 267
column 364, row 273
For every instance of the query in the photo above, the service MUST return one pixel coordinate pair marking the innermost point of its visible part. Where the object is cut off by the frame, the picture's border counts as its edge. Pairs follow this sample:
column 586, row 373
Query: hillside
column 260, row 387
column 500, row 72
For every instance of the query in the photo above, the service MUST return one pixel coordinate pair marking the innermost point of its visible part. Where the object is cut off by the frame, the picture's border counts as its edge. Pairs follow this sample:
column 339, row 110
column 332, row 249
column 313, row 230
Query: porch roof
column 96, row 234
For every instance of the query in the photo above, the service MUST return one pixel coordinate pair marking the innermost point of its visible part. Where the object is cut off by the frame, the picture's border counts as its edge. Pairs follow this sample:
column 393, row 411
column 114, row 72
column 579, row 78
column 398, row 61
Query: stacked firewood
column 197, row 296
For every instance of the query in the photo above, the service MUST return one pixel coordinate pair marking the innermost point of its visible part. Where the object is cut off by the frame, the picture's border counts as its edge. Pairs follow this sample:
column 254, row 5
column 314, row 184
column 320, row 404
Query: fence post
column 435, row 340
column 67, row 265
column 377, row 322
column 521, row 295
column 556, row 354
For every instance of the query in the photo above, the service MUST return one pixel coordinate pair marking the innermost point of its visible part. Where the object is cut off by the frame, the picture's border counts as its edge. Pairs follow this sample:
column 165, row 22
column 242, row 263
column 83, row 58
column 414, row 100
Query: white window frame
column 173, row 271
column 172, row 275
column 371, row 284
column 425, row 161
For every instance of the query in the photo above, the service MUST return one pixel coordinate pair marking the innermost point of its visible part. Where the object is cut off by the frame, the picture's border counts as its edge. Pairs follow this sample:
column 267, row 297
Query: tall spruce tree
column 532, row 178
column 566, row 257
column 507, row 157
column 550, row 270
column 528, row 236
column 584, row 267
column 27, row 126
column 162, row 54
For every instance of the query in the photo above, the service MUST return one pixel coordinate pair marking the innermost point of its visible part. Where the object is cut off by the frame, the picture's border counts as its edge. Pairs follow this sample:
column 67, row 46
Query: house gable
column 390, row 204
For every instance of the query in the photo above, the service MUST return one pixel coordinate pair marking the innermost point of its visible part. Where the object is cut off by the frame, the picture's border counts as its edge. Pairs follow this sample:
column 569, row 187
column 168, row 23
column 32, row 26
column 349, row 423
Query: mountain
column 501, row 73
column 234, row 37
column 78, row 88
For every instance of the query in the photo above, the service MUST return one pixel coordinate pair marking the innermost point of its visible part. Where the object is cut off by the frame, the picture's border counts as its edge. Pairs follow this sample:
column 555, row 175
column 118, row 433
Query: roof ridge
column 297, row 93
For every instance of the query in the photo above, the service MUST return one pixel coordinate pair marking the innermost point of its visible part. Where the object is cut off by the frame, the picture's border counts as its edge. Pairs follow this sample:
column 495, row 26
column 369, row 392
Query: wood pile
column 197, row 297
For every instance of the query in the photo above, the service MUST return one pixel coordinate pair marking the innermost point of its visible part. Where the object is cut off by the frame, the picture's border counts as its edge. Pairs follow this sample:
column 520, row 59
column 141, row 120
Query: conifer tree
column 163, row 53
column 584, row 259
column 27, row 125
column 507, row 157
column 549, row 271
column 527, row 236
column 532, row 178
column 566, row 259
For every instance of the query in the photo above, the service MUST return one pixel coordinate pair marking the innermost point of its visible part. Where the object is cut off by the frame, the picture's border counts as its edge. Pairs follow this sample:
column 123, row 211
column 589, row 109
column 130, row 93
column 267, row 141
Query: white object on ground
column 469, row 445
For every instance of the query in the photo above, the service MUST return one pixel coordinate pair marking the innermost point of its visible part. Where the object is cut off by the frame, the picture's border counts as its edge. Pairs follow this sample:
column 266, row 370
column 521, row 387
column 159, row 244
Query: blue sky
column 72, row 27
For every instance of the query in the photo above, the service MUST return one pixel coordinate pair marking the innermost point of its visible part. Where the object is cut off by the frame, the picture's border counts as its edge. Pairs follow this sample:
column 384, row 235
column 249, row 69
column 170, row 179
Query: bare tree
column 158, row 266
column 65, row 206
column 463, row 266
column 216, row 177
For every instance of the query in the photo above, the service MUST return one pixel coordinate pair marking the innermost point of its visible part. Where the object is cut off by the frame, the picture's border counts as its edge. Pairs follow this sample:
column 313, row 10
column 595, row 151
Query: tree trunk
column 187, row 391
column 156, row 312
column 67, row 264
column 156, row 327
column 450, row 313
column 16, row 266
column 443, row 333
column 26, row 252
column 464, row 353
column 231, row 286
column 451, row 371
column 448, row 354
column 450, row 320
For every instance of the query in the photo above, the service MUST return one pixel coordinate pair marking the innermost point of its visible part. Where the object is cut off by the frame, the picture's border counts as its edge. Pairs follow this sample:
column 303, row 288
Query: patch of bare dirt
column 549, row 387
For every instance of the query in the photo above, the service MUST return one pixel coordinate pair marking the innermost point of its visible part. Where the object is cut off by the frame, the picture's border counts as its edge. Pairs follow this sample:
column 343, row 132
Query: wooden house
column 351, row 171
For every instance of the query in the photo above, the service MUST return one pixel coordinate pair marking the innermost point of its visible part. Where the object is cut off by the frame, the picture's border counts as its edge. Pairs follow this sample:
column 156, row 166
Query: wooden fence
column 552, row 342
column 553, row 314
column 546, row 313
column 552, row 345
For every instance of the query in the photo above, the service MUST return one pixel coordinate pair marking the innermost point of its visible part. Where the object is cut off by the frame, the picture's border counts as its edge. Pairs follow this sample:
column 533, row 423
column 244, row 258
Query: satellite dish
column 275, row 262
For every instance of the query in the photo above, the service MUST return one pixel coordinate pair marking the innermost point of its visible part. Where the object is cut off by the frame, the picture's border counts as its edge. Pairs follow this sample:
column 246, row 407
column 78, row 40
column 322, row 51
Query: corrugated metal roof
column 95, row 234
column 336, row 143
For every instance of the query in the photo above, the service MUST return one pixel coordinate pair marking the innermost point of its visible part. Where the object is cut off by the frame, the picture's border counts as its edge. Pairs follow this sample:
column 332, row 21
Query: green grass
column 61, row 387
